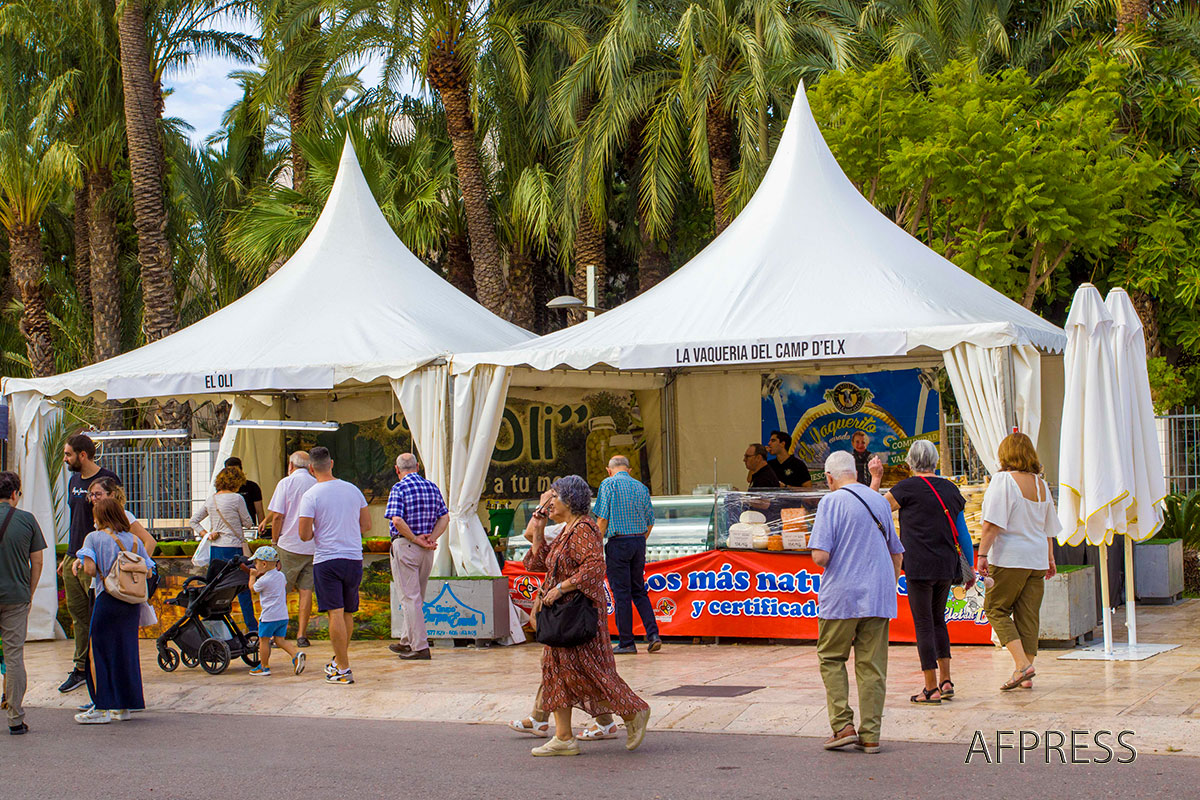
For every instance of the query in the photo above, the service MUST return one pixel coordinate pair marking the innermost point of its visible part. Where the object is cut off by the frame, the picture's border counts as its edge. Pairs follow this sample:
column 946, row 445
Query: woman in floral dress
column 585, row 676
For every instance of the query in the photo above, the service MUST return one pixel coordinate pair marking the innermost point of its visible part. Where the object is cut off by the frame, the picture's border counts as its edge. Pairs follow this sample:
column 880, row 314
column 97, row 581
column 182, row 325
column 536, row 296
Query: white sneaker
column 93, row 717
column 121, row 715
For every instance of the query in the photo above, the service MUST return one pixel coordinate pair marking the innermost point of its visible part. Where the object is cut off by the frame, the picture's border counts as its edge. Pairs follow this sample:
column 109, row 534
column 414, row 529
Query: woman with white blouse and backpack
column 1016, row 550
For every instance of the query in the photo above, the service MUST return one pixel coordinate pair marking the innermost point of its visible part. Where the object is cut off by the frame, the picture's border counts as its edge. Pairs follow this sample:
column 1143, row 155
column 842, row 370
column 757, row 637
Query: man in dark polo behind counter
column 791, row 471
column 759, row 473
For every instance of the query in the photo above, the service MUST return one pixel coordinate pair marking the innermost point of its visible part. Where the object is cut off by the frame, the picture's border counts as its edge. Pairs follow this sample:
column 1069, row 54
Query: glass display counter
column 775, row 520
column 683, row 525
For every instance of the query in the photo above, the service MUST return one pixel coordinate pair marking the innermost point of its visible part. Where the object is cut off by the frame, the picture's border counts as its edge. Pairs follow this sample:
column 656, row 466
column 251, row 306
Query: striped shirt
column 418, row 502
column 624, row 502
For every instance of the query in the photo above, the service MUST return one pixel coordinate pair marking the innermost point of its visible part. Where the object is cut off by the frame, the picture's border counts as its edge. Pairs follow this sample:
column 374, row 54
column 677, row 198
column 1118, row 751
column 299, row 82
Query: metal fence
column 163, row 484
column 1179, row 444
column 962, row 456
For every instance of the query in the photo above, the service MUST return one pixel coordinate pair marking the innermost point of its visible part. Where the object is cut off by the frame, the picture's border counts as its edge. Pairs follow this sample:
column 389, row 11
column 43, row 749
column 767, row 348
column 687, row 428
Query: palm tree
column 444, row 43
column 146, row 167
column 729, row 51
column 34, row 167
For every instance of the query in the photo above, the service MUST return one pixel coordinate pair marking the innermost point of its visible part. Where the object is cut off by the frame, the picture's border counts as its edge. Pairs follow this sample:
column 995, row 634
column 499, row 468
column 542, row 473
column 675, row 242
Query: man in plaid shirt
column 625, row 516
column 418, row 518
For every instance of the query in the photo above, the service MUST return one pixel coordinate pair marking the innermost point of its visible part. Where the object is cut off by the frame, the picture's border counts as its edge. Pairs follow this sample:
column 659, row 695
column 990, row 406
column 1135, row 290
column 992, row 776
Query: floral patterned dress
column 586, row 676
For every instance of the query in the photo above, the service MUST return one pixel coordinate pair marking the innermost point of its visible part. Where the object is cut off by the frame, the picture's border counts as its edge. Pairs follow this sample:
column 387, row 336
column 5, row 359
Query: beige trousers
column 868, row 637
column 411, row 565
column 14, row 621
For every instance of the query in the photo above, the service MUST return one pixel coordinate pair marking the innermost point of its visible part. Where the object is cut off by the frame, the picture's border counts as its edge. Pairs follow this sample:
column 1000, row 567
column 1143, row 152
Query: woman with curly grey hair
column 584, row 676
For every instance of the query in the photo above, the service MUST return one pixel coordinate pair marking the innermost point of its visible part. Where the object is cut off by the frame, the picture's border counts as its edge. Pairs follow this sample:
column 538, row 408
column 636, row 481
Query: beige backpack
column 126, row 579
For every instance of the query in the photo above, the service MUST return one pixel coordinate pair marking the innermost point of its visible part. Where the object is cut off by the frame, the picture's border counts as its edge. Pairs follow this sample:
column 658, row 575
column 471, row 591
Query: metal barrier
column 1179, row 444
column 163, row 484
column 963, row 458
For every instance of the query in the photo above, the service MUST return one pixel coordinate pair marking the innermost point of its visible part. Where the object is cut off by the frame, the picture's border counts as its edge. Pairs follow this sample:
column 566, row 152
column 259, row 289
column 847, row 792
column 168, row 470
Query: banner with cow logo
column 886, row 411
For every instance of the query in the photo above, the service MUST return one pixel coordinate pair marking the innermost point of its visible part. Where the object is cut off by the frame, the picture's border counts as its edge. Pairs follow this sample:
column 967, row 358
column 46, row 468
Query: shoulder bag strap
column 7, row 519
column 116, row 539
column 946, row 511
column 874, row 519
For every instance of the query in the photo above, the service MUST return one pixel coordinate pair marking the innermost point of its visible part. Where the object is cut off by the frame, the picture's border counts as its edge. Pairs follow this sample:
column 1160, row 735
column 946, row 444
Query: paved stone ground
column 1158, row 699
column 198, row 757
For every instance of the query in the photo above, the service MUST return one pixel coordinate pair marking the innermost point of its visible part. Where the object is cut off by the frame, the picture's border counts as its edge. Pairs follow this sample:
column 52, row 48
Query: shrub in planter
column 377, row 544
column 169, row 549
column 188, row 548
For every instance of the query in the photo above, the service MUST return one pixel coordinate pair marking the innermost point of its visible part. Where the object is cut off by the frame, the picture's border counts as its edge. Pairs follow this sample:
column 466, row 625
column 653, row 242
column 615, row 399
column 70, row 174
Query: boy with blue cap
column 271, row 585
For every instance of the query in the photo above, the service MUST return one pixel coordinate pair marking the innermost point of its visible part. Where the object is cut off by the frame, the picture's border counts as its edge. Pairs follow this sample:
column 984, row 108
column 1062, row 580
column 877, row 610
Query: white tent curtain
column 424, row 399
column 32, row 417
column 479, row 396
column 977, row 375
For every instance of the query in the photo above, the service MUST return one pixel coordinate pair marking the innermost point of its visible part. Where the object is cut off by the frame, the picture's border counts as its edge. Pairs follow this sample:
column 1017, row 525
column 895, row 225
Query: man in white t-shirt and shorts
column 333, row 514
column 295, row 555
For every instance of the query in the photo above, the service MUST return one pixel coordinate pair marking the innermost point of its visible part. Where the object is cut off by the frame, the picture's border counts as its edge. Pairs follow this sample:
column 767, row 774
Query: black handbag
column 570, row 622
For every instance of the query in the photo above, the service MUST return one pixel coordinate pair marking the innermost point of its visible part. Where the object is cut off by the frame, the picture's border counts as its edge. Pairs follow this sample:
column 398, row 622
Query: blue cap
column 265, row 553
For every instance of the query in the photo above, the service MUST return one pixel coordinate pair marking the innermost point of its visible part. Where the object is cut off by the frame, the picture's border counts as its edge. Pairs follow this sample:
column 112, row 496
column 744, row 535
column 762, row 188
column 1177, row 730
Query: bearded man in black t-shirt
column 791, row 471
column 79, row 456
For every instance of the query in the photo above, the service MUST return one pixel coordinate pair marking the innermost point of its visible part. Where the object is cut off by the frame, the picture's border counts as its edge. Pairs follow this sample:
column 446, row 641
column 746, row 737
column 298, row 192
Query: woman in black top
column 930, row 562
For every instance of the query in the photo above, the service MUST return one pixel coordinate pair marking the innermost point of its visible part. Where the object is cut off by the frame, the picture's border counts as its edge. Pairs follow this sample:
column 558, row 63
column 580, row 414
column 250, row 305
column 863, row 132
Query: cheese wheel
column 752, row 517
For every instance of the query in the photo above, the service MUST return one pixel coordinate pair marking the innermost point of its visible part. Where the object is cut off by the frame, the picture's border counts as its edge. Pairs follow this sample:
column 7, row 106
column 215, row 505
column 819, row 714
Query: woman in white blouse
column 1017, row 551
column 227, row 520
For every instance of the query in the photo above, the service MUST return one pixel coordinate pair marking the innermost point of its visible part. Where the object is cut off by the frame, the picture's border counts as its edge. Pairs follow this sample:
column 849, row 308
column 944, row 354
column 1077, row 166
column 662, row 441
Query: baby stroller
column 207, row 634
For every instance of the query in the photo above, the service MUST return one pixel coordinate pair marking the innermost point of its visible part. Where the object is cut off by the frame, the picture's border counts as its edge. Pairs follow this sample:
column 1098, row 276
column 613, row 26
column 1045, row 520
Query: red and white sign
column 754, row 595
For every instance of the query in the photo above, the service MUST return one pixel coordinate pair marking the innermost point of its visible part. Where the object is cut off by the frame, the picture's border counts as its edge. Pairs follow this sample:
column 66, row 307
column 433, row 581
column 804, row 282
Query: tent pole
column 1106, row 618
column 1130, row 594
column 1009, row 380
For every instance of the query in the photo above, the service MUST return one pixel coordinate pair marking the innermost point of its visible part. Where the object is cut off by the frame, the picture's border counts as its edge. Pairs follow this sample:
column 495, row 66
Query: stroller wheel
column 251, row 654
column 191, row 662
column 168, row 659
column 214, row 656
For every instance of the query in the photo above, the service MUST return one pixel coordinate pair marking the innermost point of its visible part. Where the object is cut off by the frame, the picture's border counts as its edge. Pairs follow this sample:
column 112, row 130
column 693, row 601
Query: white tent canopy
column 352, row 304
column 808, row 270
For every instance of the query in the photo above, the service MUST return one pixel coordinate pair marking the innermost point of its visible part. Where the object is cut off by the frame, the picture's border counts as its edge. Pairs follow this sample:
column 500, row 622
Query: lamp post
column 568, row 302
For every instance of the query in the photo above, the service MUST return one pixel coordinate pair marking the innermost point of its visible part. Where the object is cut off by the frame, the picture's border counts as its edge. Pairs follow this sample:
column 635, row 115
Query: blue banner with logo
column 882, row 411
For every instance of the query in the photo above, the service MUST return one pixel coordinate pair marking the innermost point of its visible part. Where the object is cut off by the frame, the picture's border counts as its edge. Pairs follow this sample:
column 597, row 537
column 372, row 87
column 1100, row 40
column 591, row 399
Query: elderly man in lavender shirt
column 418, row 518
column 854, row 540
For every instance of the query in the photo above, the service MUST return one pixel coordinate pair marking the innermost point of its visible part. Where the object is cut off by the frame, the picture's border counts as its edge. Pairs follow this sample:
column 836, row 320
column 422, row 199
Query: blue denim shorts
column 267, row 630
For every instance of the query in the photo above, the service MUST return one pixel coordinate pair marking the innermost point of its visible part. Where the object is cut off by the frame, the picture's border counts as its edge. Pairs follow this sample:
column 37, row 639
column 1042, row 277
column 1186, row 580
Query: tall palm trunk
column 719, row 127
column 521, row 284
column 653, row 264
column 445, row 75
column 589, row 251
column 105, row 278
column 1132, row 13
column 29, row 271
column 458, row 264
column 82, row 271
column 145, row 166
column 299, row 116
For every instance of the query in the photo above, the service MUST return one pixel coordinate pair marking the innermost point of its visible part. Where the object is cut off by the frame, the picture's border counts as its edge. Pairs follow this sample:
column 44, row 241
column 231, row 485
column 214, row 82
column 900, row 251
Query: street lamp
column 569, row 302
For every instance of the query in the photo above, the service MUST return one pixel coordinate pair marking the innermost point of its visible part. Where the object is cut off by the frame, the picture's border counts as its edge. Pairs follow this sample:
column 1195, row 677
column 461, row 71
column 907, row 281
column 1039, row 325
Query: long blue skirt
column 115, row 678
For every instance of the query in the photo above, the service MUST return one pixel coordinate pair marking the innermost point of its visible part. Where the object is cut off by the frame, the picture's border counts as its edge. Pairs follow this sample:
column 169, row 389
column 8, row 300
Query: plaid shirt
column 625, row 502
column 418, row 502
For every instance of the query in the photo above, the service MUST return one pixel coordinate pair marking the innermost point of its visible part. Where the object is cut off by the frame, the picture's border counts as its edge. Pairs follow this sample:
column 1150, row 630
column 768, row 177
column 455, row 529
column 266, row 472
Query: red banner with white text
column 755, row 595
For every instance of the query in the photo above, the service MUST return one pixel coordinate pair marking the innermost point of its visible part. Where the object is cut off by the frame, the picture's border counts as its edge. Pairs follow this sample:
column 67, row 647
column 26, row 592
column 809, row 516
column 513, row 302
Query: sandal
column 926, row 698
column 947, row 694
column 1026, row 684
column 1019, row 677
column 595, row 731
column 531, row 726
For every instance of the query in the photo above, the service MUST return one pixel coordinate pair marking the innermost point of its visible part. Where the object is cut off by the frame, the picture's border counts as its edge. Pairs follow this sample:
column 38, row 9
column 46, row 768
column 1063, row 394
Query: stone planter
column 1069, row 608
column 460, row 608
column 1158, row 571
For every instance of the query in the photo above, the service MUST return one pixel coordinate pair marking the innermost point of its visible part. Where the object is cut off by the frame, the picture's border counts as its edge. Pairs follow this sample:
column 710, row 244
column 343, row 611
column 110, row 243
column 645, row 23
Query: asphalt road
column 212, row 756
